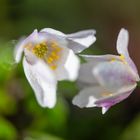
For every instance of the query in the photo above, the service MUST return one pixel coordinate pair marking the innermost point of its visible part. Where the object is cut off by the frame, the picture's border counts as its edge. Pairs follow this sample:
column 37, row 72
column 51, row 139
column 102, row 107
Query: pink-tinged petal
column 68, row 66
column 114, row 75
column 43, row 82
column 117, row 97
column 100, row 97
column 122, row 48
column 105, row 109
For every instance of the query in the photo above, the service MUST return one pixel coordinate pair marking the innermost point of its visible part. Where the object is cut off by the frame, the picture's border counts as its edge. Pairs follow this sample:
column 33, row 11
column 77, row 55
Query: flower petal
column 105, row 109
column 76, row 41
column 52, row 31
column 122, row 42
column 35, row 37
column 122, row 48
column 85, row 73
column 30, row 57
column 81, row 40
column 100, row 97
column 134, row 68
column 114, row 75
column 42, row 81
column 101, row 58
column 68, row 66
column 19, row 48
column 115, row 98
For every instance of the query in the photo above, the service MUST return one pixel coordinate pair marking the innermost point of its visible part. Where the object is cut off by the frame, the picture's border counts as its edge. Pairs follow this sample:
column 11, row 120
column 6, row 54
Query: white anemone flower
column 107, row 79
column 49, row 56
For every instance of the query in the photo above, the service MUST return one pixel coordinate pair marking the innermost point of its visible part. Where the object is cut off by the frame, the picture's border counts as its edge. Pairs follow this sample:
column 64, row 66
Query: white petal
column 42, row 81
column 133, row 67
column 122, row 48
column 114, row 75
column 19, row 50
column 52, row 31
column 76, row 41
column 55, row 36
column 100, row 58
column 86, row 97
column 105, row 109
column 30, row 57
column 35, row 37
column 122, row 42
column 81, row 40
column 85, row 74
column 85, row 37
column 68, row 66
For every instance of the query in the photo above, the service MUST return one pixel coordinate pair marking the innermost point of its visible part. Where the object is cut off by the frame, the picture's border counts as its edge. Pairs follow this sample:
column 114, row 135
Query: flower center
column 50, row 52
column 53, row 56
column 40, row 49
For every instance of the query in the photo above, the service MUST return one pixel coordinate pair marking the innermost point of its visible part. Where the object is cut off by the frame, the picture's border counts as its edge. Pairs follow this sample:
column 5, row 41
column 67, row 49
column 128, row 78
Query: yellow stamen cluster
column 53, row 56
column 40, row 49
column 48, row 51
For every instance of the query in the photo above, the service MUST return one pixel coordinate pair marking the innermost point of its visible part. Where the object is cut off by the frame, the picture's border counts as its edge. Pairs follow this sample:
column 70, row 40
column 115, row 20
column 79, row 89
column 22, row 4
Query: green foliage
column 7, row 130
column 132, row 132
column 7, row 55
column 41, row 136
column 6, row 102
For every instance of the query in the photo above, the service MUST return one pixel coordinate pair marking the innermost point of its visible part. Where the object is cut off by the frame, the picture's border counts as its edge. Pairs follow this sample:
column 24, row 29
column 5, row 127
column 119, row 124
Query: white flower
column 107, row 79
column 49, row 57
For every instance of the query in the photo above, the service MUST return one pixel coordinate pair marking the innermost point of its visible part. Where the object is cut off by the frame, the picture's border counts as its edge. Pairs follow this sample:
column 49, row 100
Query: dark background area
column 21, row 118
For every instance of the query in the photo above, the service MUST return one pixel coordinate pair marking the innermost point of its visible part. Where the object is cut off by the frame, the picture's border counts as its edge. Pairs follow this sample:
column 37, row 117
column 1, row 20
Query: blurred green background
column 21, row 118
